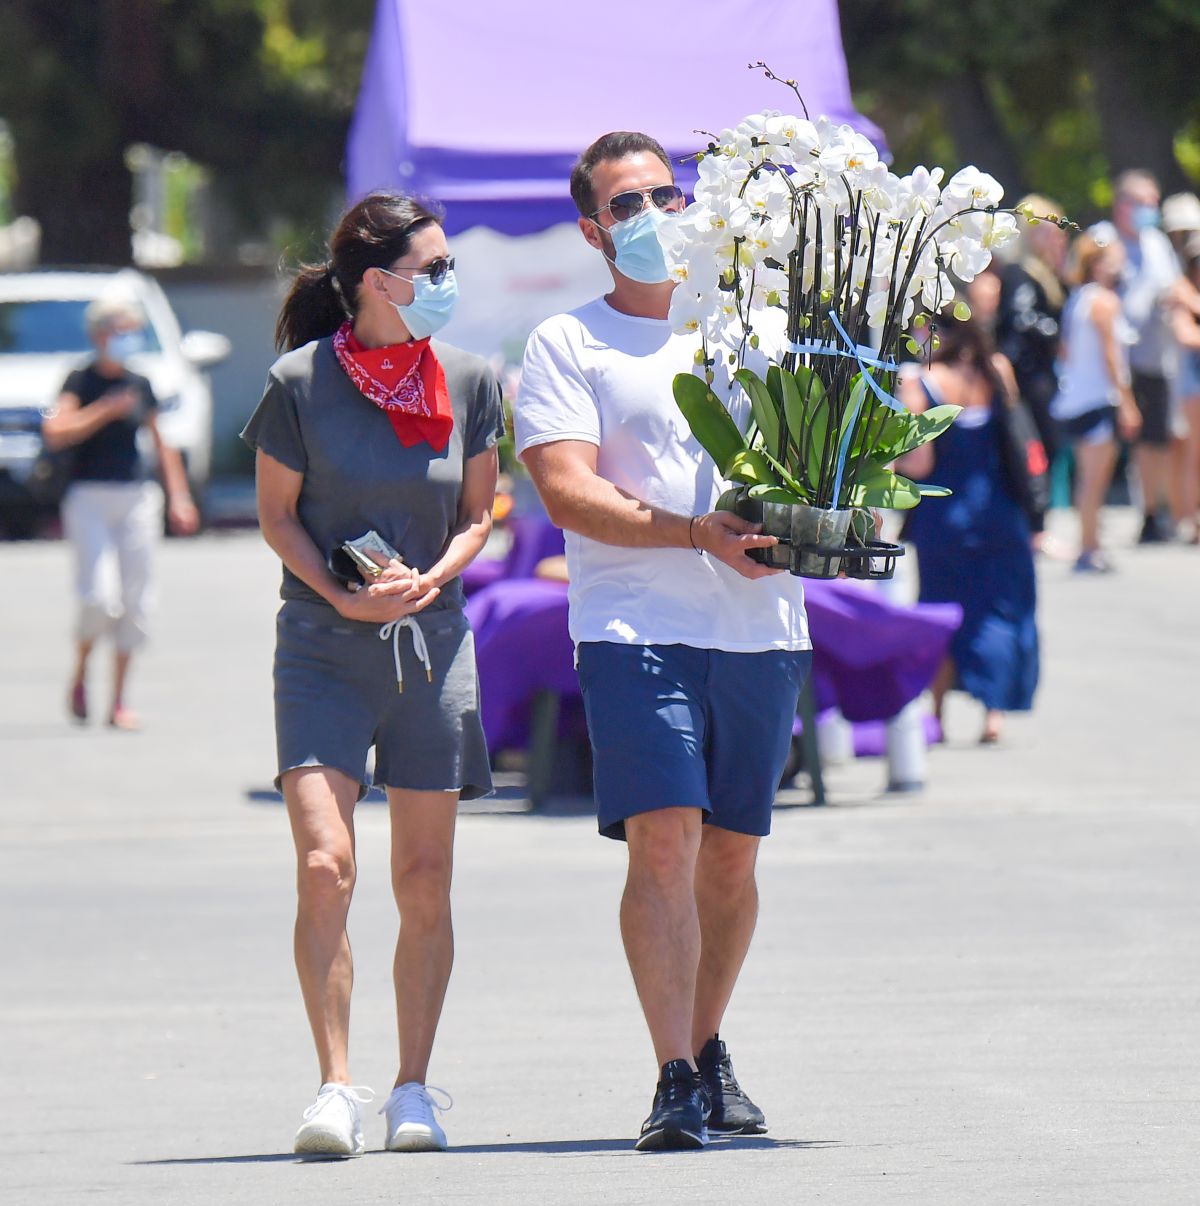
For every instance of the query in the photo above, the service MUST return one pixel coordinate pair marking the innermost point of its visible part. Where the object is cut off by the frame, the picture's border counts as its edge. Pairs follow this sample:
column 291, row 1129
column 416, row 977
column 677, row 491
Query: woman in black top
column 1032, row 295
column 110, row 510
column 368, row 427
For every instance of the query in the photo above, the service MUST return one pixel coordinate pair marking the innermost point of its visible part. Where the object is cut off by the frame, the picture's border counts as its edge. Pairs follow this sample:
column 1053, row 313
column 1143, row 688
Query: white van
column 43, row 337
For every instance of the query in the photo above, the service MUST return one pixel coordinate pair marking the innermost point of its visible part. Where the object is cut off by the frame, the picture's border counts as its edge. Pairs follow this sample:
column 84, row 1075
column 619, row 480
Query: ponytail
column 313, row 308
column 373, row 234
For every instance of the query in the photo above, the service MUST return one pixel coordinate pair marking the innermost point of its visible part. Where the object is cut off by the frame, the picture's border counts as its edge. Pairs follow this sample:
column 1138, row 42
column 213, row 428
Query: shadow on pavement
column 553, row 1147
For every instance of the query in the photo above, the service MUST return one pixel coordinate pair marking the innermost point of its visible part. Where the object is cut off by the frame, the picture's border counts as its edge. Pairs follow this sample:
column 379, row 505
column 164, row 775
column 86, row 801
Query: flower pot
column 812, row 540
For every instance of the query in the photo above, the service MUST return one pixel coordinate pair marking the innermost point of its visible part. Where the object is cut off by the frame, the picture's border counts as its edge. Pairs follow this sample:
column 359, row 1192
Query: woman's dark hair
column 967, row 343
column 375, row 233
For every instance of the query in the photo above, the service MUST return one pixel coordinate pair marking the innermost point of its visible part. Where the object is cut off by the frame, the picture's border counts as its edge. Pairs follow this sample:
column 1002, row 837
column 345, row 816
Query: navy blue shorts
column 677, row 727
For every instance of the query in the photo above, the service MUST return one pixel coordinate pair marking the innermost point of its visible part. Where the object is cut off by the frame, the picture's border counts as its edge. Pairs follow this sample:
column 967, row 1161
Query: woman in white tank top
column 1094, row 398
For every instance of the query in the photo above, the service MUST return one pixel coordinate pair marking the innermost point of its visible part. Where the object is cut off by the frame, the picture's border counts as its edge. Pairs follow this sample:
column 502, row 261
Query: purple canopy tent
column 485, row 106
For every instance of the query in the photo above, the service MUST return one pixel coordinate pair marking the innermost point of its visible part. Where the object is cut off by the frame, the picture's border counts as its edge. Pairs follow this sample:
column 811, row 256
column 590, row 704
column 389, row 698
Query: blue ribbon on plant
column 864, row 354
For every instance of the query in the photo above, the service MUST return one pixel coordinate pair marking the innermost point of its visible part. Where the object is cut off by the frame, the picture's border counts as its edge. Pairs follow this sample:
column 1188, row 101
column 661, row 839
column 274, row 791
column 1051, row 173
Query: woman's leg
column 1191, row 467
column 320, row 804
column 1095, row 463
column 136, row 538
column 86, row 526
column 422, row 865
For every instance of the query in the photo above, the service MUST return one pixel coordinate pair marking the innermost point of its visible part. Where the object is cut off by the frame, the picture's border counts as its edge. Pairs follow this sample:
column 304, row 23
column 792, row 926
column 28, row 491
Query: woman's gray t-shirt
column 357, row 474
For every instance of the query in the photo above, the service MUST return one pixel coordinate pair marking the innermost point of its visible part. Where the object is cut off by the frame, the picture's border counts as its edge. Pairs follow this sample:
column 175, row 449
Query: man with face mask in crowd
column 1151, row 272
column 689, row 662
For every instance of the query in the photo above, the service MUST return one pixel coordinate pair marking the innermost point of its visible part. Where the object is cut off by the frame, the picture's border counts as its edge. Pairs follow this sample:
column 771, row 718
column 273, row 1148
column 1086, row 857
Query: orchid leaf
column 762, row 406
column 788, row 480
column 710, row 422
column 728, row 500
column 921, row 429
column 775, row 494
column 928, row 490
column 879, row 487
column 751, row 467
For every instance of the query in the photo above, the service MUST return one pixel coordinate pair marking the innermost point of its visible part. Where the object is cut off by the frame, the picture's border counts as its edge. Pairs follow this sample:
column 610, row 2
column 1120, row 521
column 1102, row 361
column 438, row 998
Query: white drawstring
column 392, row 631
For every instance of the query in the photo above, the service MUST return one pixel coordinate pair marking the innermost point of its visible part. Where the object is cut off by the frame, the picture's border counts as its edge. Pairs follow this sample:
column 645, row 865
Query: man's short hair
column 1131, row 178
column 618, row 145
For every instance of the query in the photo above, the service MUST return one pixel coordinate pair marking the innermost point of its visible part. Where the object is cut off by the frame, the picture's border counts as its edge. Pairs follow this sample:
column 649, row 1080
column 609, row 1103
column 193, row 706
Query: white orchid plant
column 802, row 245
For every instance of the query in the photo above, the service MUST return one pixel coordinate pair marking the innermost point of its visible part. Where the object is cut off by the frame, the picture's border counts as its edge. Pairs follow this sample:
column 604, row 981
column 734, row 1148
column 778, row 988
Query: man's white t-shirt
column 604, row 377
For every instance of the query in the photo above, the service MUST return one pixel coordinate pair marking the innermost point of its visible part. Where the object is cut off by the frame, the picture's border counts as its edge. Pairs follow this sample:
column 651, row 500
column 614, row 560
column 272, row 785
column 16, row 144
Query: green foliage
column 1071, row 91
column 258, row 92
column 709, row 420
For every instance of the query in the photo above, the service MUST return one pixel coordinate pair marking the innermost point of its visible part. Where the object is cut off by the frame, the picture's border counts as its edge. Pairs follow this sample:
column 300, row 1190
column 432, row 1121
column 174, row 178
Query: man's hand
column 729, row 537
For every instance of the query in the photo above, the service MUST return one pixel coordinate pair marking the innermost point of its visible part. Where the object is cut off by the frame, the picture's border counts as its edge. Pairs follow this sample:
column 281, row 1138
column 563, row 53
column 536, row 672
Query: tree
column 1054, row 94
column 259, row 91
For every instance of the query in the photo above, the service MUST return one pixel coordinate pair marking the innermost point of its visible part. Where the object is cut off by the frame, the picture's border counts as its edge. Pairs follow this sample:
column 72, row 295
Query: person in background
column 1185, row 326
column 1032, row 295
column 1181, row 220
column 983, row 296
column 367, row 426
column 1181, row 224
column 1151, row 271
column 974, row 547
column 112, row 512
column 1094, row 400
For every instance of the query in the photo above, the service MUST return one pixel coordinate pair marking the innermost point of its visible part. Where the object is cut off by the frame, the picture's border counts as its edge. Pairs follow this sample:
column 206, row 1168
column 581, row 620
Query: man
column 1150, row 276
column 690, row 660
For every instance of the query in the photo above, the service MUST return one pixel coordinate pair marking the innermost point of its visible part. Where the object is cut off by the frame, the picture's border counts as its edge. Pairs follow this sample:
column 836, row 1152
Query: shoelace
column 356, row 1093
column 411, row 1097
column 391, row 631
column 729, row 1083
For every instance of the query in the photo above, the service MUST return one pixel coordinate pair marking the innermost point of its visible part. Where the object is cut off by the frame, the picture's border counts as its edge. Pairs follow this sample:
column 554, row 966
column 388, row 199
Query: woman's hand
column 1129, row 418
column 382, row 602
column 182, row 517
column 411, row 583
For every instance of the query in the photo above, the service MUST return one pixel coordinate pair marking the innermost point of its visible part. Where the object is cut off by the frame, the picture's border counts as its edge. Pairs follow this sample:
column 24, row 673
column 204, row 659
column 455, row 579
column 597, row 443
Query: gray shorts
column 336, row 695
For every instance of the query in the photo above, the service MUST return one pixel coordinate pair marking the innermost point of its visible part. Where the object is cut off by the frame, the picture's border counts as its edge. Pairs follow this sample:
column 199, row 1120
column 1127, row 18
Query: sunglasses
column 436, row 270
column 625, row 205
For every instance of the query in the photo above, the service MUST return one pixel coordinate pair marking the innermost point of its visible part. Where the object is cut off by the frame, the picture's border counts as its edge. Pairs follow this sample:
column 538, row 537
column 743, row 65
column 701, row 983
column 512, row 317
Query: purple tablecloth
column 871, row 657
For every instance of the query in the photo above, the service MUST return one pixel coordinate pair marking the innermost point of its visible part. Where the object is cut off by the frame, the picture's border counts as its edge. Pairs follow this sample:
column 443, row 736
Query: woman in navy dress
column 974, row 548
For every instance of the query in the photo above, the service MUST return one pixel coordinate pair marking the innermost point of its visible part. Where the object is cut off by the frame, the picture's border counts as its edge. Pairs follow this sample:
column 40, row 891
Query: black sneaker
column 1152, row 531
column 733, row 1113
column 676, row 1122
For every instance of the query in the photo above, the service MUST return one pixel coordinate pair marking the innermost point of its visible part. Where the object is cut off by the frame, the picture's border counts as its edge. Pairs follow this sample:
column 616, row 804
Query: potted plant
column 802, row 251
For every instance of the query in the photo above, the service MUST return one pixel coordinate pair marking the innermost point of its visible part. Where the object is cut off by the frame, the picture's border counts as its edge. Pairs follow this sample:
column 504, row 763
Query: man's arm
column 578, row 499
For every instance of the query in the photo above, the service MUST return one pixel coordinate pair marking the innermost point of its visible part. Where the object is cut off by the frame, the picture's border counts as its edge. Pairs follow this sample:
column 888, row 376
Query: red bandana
column 405, row 381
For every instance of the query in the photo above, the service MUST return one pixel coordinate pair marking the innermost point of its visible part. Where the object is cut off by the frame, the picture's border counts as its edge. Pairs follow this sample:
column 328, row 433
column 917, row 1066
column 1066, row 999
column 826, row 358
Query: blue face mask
column 1145, row 216
column 124, row 344
column 431, row 306
column 639, row 254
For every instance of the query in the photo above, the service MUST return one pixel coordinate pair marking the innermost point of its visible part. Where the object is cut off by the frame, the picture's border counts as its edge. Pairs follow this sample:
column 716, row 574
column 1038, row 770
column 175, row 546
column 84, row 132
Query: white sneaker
column 411, row 1126
column 333, row 1123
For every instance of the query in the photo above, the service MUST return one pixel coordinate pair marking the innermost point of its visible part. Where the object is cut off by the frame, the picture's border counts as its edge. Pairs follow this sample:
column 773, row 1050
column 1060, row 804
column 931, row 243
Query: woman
column 974, row 547
column 1031, row 302
column 111, row 511
column 1185, row 326
column 1094, row 398
column 367, row 426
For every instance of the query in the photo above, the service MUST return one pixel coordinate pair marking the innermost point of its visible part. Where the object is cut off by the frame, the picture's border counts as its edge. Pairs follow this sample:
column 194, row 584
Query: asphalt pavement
column 988, row 992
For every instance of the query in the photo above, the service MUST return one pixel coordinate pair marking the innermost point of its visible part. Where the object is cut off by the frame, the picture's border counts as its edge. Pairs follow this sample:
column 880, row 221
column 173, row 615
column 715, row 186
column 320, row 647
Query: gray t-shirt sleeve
column 275, row 427
column 485, row 417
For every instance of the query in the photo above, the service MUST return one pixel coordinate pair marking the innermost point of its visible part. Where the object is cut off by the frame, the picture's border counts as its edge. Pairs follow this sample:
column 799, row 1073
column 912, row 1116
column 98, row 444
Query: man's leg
column 727, row 905
column 660, row 924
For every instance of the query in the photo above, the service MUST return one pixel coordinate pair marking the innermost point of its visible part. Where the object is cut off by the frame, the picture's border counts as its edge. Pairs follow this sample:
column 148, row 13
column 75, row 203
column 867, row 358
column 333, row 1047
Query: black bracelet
column 691, row 538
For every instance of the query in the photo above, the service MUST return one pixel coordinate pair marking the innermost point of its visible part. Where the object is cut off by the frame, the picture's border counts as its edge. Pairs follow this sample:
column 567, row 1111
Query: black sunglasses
column 625, row 205
column 436, row 270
